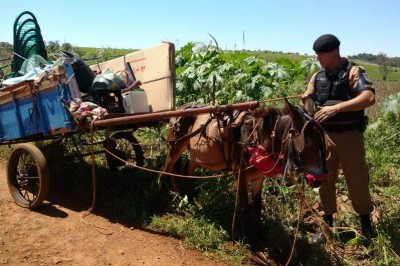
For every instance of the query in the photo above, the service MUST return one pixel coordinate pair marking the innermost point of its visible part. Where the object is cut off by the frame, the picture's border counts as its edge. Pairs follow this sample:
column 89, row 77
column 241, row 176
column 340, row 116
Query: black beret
column 326, row 43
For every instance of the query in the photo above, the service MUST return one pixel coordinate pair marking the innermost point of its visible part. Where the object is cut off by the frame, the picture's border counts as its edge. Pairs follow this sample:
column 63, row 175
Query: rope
column 236, row 199
column 14, row 53
column 69, row 79
column 172, row 174
column 253, row 132
column 324, row 228
column 297, row 226
column 88, row 212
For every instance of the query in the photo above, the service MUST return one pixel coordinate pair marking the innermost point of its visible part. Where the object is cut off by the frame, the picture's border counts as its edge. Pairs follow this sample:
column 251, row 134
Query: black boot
column 318, row 238
column 366, row 226
column 328, row 220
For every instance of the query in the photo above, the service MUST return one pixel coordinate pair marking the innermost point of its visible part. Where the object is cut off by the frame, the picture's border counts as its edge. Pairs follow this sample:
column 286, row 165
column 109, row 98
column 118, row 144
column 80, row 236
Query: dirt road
column 55, row 235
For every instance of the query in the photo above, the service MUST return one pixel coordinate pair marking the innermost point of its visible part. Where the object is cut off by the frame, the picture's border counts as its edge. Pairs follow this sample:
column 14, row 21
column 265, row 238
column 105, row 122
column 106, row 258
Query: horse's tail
column 178, row 135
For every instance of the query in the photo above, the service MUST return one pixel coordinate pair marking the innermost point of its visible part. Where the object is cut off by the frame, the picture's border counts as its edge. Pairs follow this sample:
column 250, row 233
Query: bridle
column 298, row 139
column 293, row 143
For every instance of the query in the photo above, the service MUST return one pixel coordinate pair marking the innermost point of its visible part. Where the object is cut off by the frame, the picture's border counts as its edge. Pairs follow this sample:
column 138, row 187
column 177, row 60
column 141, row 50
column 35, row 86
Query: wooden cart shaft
column 159, row 116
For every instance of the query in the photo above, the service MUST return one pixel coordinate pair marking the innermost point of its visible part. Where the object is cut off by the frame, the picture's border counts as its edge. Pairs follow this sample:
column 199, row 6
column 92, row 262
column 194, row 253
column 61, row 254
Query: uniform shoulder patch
column 364, row 74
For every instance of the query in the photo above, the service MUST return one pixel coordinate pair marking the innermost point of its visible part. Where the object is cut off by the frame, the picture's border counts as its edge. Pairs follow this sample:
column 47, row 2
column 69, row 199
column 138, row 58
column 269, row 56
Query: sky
column 362, row 26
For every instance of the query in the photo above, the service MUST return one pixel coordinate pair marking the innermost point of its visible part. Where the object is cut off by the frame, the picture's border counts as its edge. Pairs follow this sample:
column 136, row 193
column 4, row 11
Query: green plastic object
column 28, row 41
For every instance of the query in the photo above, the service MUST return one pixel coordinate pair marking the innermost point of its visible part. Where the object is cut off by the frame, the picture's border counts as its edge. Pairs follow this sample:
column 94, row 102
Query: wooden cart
column 37, row 110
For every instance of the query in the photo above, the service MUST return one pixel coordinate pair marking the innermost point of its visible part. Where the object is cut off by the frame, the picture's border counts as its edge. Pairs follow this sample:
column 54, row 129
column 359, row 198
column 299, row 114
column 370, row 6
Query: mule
column 285, row 136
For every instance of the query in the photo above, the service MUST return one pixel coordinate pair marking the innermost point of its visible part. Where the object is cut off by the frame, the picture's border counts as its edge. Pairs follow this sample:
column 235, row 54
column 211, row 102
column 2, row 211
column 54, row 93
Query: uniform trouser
column 349, row 154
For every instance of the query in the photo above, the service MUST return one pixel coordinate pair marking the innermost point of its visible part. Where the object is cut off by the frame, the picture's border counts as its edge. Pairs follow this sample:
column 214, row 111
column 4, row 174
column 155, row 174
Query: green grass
column 373, row 71
column 267, row 56
column 383, row 90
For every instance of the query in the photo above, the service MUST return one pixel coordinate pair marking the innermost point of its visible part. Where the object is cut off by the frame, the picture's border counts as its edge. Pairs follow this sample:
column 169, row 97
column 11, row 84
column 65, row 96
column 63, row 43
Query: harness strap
column 273, row 134
column 226, row 158
column 192, row 134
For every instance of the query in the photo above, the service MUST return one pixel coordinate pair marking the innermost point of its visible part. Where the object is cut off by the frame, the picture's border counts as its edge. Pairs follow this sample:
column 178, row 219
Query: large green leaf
column 277, row 71
column 251, row 60
column 310, row 64
column 392, row 106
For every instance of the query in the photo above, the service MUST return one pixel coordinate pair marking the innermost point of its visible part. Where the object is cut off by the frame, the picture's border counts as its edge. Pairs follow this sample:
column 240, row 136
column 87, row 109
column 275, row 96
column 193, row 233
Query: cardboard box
column 155, row 69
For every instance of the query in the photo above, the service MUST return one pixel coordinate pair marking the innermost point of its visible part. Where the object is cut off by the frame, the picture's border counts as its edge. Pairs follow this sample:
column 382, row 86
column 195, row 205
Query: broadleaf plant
column 236, row 79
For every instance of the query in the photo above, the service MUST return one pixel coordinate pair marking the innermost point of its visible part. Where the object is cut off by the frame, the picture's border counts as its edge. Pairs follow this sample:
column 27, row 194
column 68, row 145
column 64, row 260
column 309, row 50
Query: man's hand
column 325, row 112
column 363, row 100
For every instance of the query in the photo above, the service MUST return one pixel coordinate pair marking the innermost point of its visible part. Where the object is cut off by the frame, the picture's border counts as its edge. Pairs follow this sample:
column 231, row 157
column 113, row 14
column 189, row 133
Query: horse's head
column 306, row 145
column 278, row 139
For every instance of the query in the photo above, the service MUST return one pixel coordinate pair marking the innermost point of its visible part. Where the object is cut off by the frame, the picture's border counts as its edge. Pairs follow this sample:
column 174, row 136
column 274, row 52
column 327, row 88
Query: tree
column 67, row 47
column 77, row 51
column 383, row 63
column 53, row 46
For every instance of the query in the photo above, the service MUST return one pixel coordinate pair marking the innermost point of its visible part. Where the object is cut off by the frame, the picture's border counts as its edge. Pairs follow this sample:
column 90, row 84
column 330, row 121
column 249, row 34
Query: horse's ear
column 297, row 118
column 309, row 105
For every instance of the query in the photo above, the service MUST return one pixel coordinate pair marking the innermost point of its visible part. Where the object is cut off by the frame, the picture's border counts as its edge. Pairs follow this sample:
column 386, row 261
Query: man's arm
column 309, row 92
column 365, row 99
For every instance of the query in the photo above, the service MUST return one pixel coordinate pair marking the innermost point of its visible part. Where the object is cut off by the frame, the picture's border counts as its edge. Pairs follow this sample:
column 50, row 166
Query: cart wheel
column 27, row 176
column 125, row 146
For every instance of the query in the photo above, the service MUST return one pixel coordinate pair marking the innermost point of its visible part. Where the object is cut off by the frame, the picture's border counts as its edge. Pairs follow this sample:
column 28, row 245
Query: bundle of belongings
column 86, row 108
column 30, row 70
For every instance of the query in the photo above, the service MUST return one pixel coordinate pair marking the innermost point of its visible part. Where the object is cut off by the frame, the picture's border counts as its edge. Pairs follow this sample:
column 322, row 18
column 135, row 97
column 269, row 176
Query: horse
column 264, row 142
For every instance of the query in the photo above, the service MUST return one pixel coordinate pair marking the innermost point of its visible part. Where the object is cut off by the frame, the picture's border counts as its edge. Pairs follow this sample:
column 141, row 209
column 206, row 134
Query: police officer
column 342, row 90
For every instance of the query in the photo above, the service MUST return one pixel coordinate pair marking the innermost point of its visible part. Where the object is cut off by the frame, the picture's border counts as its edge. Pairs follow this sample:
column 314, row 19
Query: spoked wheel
column 125, row 146
column 27, row 176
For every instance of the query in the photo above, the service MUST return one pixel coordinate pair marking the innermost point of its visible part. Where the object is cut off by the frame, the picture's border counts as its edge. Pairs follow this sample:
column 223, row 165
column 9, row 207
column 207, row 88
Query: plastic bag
column 108, row 80
column 31, row 63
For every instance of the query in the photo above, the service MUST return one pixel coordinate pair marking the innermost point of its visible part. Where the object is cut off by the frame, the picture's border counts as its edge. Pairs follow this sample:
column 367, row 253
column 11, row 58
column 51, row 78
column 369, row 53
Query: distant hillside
column 103, row 54
column 373, row 71
column 374, row 59
column 269, row 56
column 5, row 52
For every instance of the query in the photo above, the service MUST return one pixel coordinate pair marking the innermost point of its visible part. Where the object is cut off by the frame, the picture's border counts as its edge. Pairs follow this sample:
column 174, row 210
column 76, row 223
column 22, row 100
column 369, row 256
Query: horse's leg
column 189, row 184
column 255, row 225
column 245, row 200
column 190, row 167
column 171, row 163
column 256, row 190
column 250, row 201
